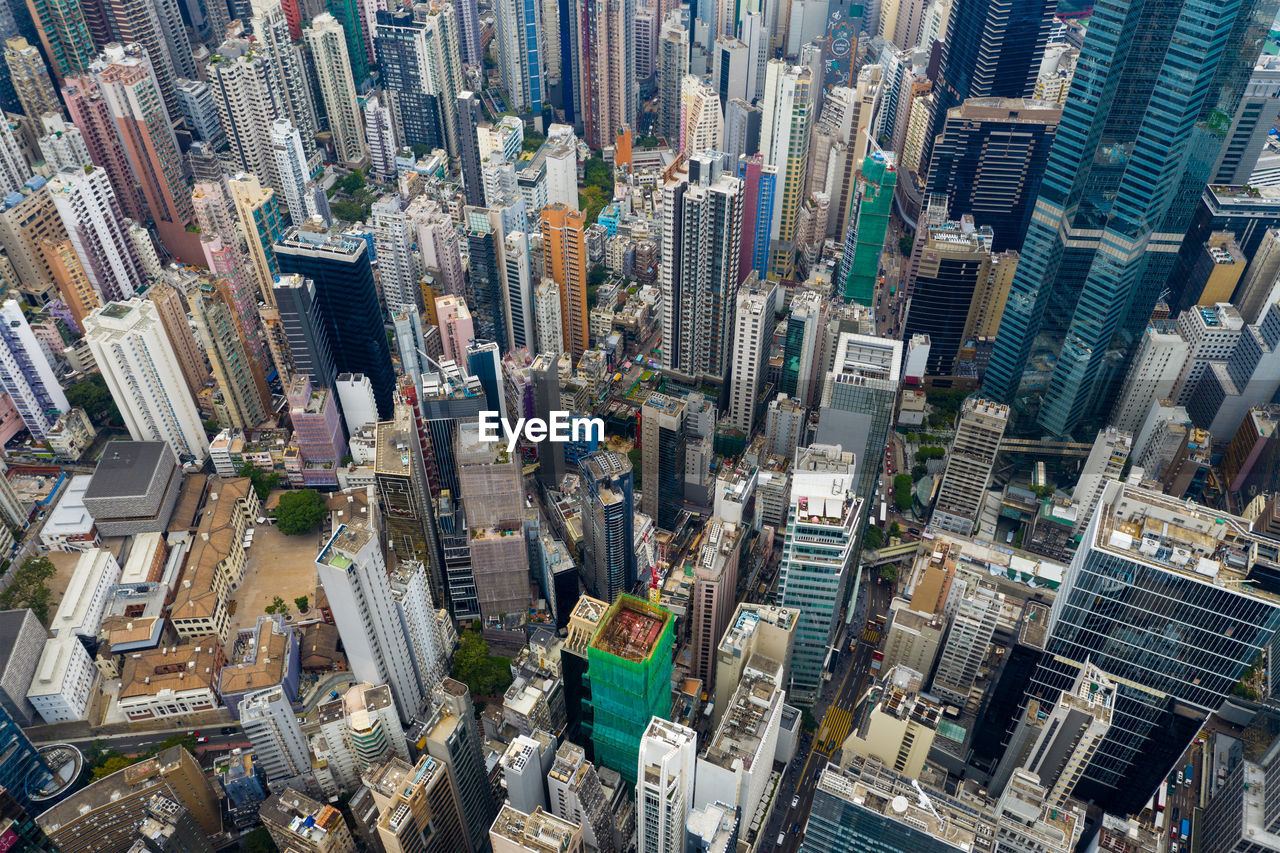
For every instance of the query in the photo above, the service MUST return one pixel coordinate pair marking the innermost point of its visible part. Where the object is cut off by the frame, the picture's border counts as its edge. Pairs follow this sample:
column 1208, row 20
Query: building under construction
column 629, row 667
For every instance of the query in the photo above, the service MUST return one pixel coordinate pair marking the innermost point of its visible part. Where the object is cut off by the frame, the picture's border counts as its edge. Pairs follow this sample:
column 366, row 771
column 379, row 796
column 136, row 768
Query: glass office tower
column 1149, row 109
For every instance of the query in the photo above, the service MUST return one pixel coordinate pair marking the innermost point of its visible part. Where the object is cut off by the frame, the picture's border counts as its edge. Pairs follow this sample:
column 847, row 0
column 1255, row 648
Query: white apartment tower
column 354, row 577
column 1106, row 462
column 381, row 137
column 291, row 165
column 132, row 350
column 701, row 121
column 969, row 464
column 26, row 374
column 546, row 312
column 753, row 331
column 1152, row 376
column 241, row 84
column 328, row 44
column 977, row 608
column 664, row 786
column 279, row 746
column 284, row 64
column 95, row 223
column 397, row 256
column 518, row 295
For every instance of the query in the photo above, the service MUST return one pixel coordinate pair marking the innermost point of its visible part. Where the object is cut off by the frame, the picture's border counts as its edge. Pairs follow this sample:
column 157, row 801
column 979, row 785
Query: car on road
column 202, row 739
column 795, row 801
column 228, row 730
column 782, row 838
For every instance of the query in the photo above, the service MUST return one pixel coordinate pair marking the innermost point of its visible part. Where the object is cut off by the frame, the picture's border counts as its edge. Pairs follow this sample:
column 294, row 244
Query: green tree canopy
column 902, row 492
column 263, row 483
column 484, row 673
column 300, row 512
column 352, row 182
column 30, row 588
column 92, row 395
column 302, row 603
column 873, row 538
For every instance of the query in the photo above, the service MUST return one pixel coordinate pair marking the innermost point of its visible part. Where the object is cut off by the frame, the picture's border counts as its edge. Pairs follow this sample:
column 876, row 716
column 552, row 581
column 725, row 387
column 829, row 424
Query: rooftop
column 69, row 516
column 745, row 724
column 540, row 832
column 347, row 540
column 193, row 666
column 259, row 657
column 631, row 629
column 127, row 468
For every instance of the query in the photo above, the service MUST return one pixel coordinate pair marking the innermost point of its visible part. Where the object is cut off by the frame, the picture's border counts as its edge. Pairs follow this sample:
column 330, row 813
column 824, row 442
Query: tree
column 30, row 588
column 889, row 573
column 352, row 182
column 895, row 530
column 350, row 211
column 277, row 607
column 92, row 395
column 634, row 456
column 929, row 452
column 902, row 492
column 532, row 141
column 905, row 242
column 420, row 150
column 873, row 538
column 597, row 275
column 260, row 841
column 300, row 512
column 485, row 674
column 302, row 603
column 263, row 483
column 807, row 721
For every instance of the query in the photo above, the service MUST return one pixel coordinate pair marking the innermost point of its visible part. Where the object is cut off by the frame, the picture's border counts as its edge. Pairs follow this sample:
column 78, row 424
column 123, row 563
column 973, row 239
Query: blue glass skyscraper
column 1149, row 109
column 22, row 770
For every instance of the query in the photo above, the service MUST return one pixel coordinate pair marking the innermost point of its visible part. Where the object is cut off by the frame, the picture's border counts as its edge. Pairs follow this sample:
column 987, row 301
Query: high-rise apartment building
column 293, row 91
column 355, row 579
column 976, row 606
column 1153, row 375
column 1078, row 299
column 662, row 427
column 259, row 217
column 784, row 142
column 279, row 746
column 515, row 831
column 608, row 519
column 701, row 229
column 30, row 77
column 243, row 397
column 753, row 332
column 241, row 84
column 399, row 266
column 132, row 350
column 93, row 220
column 673, row 65
column 423, row 74
column 519, row 37
column 518, row 302
column 1105, row 463
column 576, row 795
column 417, row 801
column 564, row 248
column 132, row 87
column 92, row 117
column 339, row 266
column 33, row 235
column 629, row 665
column 172, row 311
column 606, row 58
column 701, row 118
column 969, row 464
column 297, row 822
column 453, row 738
column 664, row 786
column 62, row 29
column 26, row 373
column 292, row 173
column 817, row 557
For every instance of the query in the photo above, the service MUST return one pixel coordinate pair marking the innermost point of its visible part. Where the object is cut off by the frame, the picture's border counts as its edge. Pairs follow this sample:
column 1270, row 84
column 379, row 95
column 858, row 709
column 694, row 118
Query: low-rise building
column 21, row 647
column 261, row 657
column 135, row 620
column 894, row 723
column 216, row 561
column 65, row 681
column 71, row 435
column 85, row 600
column 172, row 681
column 70, row 526
column 134, row 487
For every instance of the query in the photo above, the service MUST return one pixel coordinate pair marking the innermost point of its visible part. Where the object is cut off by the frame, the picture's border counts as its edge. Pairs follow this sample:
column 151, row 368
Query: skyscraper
column 629, row 665
column 861, row 388
column 673, row 65
column 969, row 464
column 279, row 746
column 519, row 51
column 608, row 524
column 422, row 74
column 564, row 249
column 817, row 558
column 702, row 226
column 663, row 439
column 470, row 115
column 664, row 786
column 976, row 610
column 284, row 65
column 1172, row 600
column 144, row 377
column 65, row 35
column 30, row 78
column 607, row 62
column 22, row 771
column 753, row 332
column 92, row 117
column 1099, row 247
column 347, row 14
column 989, row 160
column 784, row 142
column 26, row 374
column 242, row 387
column 701, row 119
column 333, row 68
column 259, row 217
column 141, row 24
column 132, row 91
column 355, row 579
column 92, row 216
column 305, row 331
column 519, row 299
column 868, row 220
column 344, row 288
column 293, row 175
column 992, row 50
column 242, row 92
